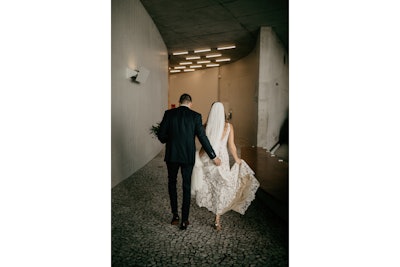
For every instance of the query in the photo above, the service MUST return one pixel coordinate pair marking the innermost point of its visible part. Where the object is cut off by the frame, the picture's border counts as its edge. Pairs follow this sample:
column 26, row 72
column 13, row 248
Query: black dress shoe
column 184, row 225
column 175, row 219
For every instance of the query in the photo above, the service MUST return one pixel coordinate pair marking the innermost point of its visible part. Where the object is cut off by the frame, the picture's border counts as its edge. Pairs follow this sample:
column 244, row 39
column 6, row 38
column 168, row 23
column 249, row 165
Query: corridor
column 143, row 236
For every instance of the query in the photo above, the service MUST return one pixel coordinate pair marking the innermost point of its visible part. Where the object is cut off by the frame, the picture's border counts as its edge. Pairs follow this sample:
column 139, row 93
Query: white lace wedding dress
column 221, row 188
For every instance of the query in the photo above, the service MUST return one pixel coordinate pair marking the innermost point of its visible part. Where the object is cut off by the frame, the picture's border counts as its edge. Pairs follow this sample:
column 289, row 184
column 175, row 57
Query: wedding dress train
column 221, row 188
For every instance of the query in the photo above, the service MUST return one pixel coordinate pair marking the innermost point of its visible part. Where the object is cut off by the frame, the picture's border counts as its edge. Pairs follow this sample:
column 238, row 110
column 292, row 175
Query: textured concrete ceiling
column 195, row 24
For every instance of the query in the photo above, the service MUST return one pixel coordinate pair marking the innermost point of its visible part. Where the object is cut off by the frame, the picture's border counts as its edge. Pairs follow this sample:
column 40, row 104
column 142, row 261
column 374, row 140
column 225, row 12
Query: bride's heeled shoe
column 217, row 226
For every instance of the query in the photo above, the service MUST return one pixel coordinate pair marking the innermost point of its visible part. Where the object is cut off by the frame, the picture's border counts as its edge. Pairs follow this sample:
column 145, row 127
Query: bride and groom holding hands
column 206, row 174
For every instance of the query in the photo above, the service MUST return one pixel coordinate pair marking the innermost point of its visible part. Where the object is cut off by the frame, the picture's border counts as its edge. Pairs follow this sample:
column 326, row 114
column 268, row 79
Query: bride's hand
column 238, row 161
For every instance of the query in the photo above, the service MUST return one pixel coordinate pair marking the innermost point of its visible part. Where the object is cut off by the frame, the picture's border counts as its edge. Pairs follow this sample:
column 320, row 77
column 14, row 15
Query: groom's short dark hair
column 185, row 98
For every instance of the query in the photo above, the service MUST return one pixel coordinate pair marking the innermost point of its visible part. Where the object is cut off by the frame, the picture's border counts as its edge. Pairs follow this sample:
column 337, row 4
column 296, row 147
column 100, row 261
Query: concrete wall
column 273, row 89
column 135, row 107
column 201, row 85
column 238, row 92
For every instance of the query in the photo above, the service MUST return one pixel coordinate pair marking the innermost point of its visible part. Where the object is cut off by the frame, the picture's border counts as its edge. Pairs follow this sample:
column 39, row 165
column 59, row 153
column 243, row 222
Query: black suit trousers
column 186, row 171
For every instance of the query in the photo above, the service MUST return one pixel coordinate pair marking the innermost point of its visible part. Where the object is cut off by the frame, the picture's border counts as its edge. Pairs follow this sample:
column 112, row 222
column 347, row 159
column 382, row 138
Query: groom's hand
column 217, row 161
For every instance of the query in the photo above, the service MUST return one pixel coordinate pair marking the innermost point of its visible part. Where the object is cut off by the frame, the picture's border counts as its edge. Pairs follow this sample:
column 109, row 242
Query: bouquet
column 154, row 130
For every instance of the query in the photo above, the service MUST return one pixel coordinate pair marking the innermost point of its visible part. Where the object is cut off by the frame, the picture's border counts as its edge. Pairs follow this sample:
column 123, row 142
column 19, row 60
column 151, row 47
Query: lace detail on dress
column 221, row 188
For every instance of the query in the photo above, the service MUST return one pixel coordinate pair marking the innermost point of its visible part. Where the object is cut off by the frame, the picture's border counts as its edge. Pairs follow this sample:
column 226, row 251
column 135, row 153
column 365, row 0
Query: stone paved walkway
column 143, row 236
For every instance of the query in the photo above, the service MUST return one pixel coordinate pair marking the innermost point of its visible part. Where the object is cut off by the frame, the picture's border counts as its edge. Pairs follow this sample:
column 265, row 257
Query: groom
column 178, row 129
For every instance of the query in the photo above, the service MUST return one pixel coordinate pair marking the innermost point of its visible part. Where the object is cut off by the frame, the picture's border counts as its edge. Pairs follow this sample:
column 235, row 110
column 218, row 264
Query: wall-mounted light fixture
column 140, row 75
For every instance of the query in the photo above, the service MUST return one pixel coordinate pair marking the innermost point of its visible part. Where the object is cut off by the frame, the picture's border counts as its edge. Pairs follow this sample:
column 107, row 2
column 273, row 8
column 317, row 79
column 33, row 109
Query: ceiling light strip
column 222, row 59
column 203, row 61
column 202, row 50
column 212, row 65
column 226, row 47
column 180, row 53
column 186, row 70
column 185, row 63
column 195, row 66
column 213, row 55
column 195, row 57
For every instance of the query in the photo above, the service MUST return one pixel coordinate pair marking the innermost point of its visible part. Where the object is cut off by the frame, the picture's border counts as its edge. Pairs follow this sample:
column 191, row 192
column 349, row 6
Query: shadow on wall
column 282, row 150
column 284, row 132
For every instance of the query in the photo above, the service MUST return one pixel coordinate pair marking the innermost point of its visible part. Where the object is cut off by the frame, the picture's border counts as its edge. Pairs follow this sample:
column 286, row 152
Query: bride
column 221, row 188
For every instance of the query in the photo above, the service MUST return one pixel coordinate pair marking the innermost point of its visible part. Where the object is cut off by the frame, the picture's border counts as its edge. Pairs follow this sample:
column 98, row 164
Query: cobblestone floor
column 143, row 236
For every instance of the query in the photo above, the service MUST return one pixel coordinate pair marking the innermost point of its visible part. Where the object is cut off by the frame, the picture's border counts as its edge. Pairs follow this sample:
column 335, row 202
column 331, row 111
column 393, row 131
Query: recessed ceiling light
column 202, row 50
column 173, row 71
column 195, row 66
column 189, row 70
column 195, row 57
column 185, row 63
column 180, row 53
column 203, row 61
column 213, row 55
column 222, row 59
column 181, row 67
column 212, row 65
column 226, row 47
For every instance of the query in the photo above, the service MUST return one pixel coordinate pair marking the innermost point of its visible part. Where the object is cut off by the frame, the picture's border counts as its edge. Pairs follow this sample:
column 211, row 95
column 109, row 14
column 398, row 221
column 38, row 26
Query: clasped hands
column 217, row 161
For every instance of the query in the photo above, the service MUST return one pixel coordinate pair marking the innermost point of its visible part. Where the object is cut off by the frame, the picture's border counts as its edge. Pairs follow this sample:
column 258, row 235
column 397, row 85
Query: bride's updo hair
column 215, row 124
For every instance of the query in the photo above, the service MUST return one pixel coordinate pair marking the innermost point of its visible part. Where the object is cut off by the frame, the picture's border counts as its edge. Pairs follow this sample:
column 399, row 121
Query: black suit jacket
column 178, row 130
